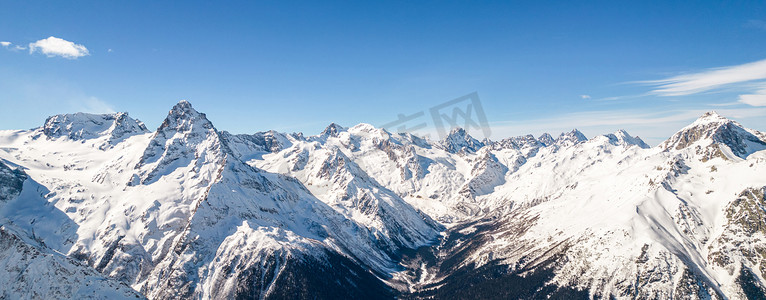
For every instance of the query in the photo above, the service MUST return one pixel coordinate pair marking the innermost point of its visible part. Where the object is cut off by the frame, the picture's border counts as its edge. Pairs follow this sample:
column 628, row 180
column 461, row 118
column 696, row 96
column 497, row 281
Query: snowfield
column 94, row 205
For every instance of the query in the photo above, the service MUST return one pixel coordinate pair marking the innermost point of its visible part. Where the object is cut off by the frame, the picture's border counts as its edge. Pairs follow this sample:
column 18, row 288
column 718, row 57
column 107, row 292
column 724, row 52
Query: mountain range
column 97, row 206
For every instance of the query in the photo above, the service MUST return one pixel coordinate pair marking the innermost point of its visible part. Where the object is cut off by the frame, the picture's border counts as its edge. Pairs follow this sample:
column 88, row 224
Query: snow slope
column 188, row 211
column 31, row 270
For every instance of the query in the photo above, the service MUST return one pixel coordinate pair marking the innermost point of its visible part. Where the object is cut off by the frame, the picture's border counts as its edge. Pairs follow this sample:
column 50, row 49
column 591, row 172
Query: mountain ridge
column 191, row 211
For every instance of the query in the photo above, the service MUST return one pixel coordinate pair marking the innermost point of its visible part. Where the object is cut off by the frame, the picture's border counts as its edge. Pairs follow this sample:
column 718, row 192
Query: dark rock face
column 746, row 218
column 11, row 182
column 330, row 277
column 332, row 130
column 751, row 286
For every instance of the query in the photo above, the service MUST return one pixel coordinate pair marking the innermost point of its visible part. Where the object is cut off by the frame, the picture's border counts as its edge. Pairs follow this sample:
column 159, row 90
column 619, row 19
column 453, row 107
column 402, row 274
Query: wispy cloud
column 5, row 44
column 53, row 46
column 707, row 80
column 585, row 97
column 756, row 99
column 748, row 80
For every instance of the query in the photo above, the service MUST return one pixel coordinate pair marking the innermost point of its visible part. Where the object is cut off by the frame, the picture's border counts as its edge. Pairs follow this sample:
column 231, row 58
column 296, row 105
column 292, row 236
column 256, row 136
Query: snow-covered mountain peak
column 570, row 138
column 183, row 117
column 248, row 146
column 710, row 117
column 711, row 131
column 182, row 106
column 458, row 139
column 524, row 142
column 623, row 138
column 546, row 139
column 368, row 131
column 332, row 130
column 83, row 126
column 185, row 137
column 210, row 214
column 365, row 127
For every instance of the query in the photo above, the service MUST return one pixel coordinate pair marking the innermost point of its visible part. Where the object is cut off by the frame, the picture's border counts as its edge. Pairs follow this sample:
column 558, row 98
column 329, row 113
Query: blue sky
column 649, row 67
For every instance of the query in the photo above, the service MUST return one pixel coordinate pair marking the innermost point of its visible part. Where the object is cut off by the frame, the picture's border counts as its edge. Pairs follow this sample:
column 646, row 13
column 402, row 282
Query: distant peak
column 709, row 117
column 711, row 114
column 458, row 139
column 714, row 129
column 332, row 130
column 621, row 132
column 576, row 134
column 364, row 127
column 79, row 126
column 546, row 139
column 457, row 131
column 571, row 138
column 622, row 137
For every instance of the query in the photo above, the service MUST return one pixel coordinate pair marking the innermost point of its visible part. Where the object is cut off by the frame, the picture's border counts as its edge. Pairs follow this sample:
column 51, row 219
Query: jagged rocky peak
column 249, row 145
column 712, row 131
column 527, row 141
column 273, row 141
column 571, row 138
column 185, row 136
column 520, row 142
column 623, row 138
column 332, row 130
column 546, row 139
column 459, row 140
column 82, row 126
column 183, row 117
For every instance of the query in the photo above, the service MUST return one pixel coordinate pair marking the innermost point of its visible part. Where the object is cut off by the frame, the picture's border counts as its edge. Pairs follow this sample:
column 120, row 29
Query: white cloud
column 753, row 99
column 18, row 47
column 694, row 83
column 5, row 44
column 756, row 99
column 748, row 80
column 585, row 97
column 53, row 46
